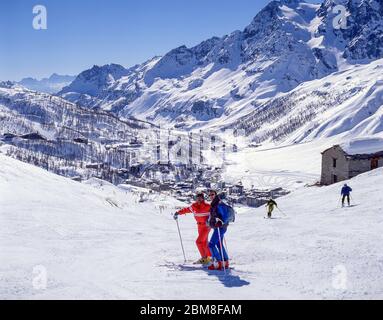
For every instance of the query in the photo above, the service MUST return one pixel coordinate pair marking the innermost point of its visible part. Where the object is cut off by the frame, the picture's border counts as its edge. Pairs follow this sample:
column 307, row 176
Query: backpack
column 228, row 212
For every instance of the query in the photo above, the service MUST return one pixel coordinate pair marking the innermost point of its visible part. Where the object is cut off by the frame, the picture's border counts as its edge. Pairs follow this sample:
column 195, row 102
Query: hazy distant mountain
column 53, row 84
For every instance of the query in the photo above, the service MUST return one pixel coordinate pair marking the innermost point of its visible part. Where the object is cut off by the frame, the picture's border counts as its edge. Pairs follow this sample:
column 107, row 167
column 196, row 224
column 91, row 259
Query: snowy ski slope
column 95, row 241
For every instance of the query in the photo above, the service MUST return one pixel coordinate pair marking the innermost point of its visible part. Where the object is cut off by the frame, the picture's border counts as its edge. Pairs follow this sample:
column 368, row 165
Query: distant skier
column 345, row 193
column 218, row 221
column 270, row 207
column 201, row 211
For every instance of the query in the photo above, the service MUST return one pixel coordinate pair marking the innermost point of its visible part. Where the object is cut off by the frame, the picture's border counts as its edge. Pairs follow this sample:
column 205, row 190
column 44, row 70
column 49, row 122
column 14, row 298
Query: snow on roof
column 363, row 146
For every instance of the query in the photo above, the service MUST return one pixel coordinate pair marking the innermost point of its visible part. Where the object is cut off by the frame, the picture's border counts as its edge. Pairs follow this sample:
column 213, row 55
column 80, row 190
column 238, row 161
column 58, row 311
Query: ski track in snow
column 97, row 242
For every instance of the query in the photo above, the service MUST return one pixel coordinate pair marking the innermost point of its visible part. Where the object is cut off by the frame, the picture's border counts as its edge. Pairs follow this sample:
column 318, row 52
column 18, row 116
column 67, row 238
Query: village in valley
column 181, row 166
column 187, row 179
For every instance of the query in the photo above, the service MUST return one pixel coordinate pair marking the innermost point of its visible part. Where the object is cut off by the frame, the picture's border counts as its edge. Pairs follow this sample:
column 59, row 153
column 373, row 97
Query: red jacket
column 201, row 211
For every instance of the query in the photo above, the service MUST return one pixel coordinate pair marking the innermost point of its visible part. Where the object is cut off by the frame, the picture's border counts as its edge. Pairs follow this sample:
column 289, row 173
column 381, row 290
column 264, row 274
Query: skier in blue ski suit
column 218, row 220
column 345, row 193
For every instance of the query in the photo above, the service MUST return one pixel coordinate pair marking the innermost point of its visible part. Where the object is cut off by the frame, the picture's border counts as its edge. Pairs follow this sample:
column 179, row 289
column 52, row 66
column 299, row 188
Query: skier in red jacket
column 201, row 211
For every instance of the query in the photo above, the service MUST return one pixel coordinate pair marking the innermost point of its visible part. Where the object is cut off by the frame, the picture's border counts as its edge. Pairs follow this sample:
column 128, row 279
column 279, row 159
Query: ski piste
column 142, row 249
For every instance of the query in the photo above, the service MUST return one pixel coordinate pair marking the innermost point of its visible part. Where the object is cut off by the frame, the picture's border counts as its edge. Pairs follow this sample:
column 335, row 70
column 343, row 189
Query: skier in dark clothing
column 345, row 193
column 218, row 221
column 270, row 207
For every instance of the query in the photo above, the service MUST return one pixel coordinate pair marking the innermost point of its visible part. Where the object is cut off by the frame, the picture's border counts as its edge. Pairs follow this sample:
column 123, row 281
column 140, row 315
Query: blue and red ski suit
column 218, row 211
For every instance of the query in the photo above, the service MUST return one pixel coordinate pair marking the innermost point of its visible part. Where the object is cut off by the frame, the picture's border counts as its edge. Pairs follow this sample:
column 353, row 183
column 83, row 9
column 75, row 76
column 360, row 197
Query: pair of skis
column 189, row 266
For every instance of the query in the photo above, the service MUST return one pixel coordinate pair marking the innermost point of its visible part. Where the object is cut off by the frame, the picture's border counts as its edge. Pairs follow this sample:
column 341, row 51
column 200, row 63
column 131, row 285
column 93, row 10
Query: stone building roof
column 362, row 148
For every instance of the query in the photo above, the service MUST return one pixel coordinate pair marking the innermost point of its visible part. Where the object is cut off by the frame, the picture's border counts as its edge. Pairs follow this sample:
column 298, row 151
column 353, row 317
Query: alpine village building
column 341, row 163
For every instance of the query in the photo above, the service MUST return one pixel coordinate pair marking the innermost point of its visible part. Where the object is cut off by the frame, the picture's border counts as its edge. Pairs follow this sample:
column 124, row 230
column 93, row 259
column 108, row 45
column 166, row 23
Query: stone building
column 343, row 162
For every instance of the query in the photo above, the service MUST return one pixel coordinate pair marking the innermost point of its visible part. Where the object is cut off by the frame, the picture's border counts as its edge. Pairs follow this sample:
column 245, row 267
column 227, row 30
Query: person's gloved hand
column 175, row 216
column 218, row 223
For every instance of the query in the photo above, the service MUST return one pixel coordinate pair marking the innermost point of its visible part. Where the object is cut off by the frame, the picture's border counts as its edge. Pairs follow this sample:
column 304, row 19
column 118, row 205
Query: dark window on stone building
column 374, row 163
column 334, row 162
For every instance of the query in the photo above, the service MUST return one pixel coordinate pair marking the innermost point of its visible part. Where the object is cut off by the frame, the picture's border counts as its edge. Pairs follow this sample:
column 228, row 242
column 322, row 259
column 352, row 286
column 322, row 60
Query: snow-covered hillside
column 25, row 111
column 290, row 167
column 94, row 240
column 226, row 80
column 55, row 134
column 346, row 104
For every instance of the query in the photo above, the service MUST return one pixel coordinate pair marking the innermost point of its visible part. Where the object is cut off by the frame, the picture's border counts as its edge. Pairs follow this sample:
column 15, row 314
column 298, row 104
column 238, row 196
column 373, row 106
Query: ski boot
column 201, row 261
column 216, row 265
column 207, row 261
column 220, row 265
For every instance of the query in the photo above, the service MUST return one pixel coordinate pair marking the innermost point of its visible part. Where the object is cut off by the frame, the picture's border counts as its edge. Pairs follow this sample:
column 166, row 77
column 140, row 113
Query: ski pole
column 282, row 212
column 227, row 252
column 220, row 244
column 182, row 246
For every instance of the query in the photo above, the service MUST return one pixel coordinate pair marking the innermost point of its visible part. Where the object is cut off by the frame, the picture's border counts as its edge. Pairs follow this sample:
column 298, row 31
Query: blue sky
column 82, row 33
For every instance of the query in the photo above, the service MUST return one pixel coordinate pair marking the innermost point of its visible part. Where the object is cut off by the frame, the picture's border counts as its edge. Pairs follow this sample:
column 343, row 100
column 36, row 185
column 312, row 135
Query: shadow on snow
column 229, row 280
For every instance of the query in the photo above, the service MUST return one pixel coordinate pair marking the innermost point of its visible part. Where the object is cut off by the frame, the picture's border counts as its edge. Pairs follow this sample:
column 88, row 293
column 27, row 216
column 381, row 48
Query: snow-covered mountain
column 102, row 87
column 96, row 79
column 53, row 84
column 55, row 116
column 346, row 104
column 53, row 133
column 224, row 81
column 362, row 39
